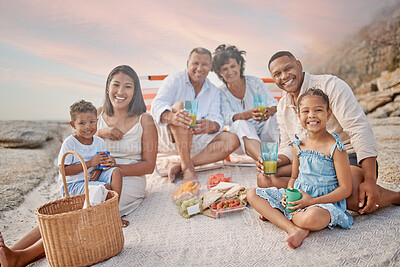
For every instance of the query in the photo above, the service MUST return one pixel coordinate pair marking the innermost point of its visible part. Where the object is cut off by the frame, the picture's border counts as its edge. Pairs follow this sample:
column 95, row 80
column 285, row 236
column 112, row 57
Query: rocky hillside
column 374, row 49
column 370, row 63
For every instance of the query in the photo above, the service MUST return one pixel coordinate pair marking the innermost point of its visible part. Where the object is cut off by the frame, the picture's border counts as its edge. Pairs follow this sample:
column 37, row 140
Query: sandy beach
column 159, row 236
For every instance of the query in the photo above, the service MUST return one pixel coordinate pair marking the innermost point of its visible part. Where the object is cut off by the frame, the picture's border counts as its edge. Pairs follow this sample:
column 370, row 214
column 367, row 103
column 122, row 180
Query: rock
column 14, row 134
column 395, row 113
column 386, row 110
column 22, row 169
column 389, row 80
column 363, row 57
column 366, row 88
column 378, row 114
column 373, row 100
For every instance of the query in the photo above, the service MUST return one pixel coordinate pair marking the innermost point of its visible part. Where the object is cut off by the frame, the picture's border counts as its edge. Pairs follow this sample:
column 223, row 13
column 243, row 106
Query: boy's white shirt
column 87, row 152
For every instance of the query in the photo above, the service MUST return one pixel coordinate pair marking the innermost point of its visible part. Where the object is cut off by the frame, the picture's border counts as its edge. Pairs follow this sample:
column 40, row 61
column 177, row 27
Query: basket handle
column 62, row 170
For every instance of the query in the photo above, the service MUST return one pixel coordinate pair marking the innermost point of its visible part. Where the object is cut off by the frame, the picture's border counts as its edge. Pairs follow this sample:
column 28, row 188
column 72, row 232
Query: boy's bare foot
column 125, row 223
column 262, row 218
column 295, row 238
column 173, row 172
column 7, row 256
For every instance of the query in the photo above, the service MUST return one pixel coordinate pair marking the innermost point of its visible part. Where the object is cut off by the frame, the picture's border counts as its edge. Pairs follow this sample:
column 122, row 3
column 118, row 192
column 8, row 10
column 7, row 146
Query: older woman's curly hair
column 221, row 56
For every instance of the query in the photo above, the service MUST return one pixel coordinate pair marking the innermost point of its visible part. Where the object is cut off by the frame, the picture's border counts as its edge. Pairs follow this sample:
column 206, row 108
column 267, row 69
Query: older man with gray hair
column 206, row 142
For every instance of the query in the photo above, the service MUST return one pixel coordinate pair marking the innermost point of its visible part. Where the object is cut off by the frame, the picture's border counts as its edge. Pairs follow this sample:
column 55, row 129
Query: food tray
column 189, row 207
column 227, row 209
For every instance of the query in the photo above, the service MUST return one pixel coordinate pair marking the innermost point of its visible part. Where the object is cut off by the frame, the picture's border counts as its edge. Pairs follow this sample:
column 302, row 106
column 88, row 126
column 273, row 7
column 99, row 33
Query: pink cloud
column 156, row 36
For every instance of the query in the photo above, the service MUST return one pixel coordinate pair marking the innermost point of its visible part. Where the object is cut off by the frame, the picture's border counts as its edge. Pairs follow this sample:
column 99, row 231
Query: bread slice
column 223, row 186
column 233, row 191
column 210, row 197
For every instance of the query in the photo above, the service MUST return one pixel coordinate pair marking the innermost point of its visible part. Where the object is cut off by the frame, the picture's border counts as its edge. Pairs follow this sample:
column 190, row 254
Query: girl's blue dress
column 317, row 177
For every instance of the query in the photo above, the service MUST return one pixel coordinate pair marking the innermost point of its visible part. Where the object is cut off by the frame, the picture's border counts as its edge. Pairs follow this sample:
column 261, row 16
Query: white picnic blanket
column 159, row 236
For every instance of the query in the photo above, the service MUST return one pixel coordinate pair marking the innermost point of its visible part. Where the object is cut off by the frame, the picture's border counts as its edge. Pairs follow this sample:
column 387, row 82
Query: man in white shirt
column 348, row 120
column 205, row 143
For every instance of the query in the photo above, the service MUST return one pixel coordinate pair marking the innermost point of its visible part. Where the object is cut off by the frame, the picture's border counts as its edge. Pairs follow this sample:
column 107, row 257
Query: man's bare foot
column 262, row 218
column 173, row 172
column 189, row 174
column 295, row 239
column 125, row 223
column 7, row 256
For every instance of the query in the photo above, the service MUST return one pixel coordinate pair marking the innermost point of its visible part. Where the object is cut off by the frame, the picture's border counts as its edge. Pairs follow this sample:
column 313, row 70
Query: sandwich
column 234, row 191
column 223, row 187
column 210, row 197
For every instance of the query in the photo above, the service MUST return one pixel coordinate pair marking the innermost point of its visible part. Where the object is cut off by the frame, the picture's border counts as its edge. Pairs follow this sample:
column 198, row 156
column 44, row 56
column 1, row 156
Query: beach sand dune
column 159, row 236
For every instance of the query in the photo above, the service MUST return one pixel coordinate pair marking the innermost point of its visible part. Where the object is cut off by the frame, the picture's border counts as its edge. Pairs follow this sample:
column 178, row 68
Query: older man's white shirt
column 177, row 87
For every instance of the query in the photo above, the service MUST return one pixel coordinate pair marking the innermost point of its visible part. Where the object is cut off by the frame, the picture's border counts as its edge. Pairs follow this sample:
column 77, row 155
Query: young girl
column 321, row 172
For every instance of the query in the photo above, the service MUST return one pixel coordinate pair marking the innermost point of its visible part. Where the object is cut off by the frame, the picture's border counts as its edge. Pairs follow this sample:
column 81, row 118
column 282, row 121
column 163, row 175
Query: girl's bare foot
column 7, row 256
column 173, row 172
column 125, row 223
column 295, row 238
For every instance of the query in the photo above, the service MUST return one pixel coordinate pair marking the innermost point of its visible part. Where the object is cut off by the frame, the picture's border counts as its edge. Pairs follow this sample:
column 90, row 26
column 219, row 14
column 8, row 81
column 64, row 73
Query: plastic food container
column 210, row 185
column 185, row 190
column 223, row 207
column 215, row 179
column 190, row 206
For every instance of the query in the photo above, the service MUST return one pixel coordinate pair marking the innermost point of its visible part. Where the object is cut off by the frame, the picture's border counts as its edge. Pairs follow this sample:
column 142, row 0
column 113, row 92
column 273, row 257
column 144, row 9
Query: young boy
column 85, row 143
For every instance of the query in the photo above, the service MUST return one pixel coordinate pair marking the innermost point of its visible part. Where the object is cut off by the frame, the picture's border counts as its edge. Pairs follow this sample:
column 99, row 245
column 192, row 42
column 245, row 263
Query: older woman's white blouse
column 232, row 105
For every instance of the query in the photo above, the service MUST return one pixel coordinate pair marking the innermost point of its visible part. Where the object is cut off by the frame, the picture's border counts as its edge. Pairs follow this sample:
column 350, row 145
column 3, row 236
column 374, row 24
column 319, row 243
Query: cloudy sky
column 53, row 53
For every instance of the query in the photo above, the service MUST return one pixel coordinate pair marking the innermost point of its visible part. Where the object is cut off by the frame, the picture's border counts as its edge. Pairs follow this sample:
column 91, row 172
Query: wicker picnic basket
column 73, row 236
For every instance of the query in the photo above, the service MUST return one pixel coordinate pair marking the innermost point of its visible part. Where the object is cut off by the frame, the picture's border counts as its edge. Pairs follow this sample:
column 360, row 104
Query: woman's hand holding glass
column 258, row 115
column 269, row 111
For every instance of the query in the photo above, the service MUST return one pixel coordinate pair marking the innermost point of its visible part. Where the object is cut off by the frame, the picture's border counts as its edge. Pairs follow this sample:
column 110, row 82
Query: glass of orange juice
column 191, row 107
column 260, row 102
column 269, row 154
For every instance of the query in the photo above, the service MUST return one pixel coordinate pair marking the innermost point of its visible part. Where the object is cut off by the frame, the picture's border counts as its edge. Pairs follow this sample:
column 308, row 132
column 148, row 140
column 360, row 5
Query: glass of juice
column 191, row 107
column 269, row 154
column 100, row 167
column 260, row 101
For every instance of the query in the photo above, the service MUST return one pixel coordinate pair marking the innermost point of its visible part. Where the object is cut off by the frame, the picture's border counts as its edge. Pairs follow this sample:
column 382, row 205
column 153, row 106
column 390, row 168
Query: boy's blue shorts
column 77, row 188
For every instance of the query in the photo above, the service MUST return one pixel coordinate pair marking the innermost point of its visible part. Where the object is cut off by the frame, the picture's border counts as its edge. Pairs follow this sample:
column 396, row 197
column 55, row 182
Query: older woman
column 130, row 136
column 246, row 121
